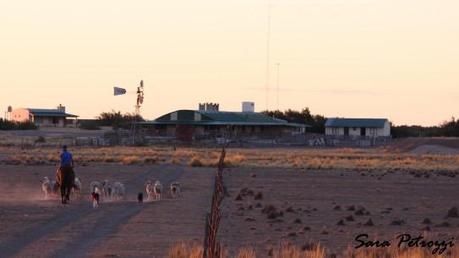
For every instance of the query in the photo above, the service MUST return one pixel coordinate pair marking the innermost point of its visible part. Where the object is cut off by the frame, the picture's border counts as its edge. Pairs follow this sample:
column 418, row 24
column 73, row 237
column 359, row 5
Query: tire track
column 84, row 244
column 77, row 213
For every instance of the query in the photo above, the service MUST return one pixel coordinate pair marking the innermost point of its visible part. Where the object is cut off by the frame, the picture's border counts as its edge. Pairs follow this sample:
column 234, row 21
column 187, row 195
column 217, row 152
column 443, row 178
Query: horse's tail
column 59, row 176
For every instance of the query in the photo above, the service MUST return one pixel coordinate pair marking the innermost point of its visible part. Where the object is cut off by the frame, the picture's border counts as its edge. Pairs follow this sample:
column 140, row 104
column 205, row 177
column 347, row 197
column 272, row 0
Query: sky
column 396, row 59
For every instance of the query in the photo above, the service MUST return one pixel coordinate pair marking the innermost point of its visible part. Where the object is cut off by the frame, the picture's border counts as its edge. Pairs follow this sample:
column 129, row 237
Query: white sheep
column 77, row 186
column 149, row 190
column 175, row 189
column 108, row 189
column 158, row 190
column 118, row 190
column 47, row 186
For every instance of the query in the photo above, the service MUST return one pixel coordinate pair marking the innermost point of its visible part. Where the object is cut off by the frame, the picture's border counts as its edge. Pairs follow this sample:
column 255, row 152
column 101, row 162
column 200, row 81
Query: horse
column 66, row 180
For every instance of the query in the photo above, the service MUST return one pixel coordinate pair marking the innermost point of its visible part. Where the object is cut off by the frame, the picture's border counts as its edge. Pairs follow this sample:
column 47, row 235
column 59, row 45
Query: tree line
column 11, row 125
column 446, row 129
column 317, row 122
column 114, row 119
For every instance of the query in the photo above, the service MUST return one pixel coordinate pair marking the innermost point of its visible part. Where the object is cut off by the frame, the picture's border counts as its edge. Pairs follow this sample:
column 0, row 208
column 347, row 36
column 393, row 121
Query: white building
column 369, row 127
column 44, row 117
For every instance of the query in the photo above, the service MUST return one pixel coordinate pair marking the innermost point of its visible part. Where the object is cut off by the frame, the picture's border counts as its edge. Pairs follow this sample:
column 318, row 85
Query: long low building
column 189, row 125
column 364, row 127
column 45, row 117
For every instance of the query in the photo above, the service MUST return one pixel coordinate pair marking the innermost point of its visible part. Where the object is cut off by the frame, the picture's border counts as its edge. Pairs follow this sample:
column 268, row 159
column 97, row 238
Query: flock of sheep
column 105, row 190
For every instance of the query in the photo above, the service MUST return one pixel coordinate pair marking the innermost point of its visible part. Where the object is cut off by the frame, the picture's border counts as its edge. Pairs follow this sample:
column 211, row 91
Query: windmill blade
column 118, row 91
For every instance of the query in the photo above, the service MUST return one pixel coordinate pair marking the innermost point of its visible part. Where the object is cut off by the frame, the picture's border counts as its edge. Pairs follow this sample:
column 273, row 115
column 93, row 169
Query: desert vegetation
column 117, row 120
column 9, row 125
column 310, row 250
column 363, row 160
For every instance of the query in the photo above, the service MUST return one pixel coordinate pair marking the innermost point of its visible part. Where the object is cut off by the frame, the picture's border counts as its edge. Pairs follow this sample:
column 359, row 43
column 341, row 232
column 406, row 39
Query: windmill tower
column 139, row 101
column 138, row 105
column 139, row 98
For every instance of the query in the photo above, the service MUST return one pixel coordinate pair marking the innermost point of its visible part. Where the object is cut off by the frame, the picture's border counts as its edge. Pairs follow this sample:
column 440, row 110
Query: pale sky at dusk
column 350, row 58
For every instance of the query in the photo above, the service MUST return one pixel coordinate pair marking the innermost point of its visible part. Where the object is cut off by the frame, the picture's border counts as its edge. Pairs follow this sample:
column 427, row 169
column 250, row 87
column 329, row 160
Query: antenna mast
column 277, row 85
column 268, row 39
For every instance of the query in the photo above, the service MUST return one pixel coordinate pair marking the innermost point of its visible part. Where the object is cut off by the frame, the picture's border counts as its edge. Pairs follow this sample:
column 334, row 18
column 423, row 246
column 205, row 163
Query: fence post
column 212, row 248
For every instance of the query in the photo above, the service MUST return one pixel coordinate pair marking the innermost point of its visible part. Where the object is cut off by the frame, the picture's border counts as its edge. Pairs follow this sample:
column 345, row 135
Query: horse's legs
column 62, row 194
column 67, row 193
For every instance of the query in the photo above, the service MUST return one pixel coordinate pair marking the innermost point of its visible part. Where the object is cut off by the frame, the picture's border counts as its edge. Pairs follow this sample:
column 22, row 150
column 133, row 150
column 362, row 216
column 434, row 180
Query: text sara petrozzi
column 437, row 246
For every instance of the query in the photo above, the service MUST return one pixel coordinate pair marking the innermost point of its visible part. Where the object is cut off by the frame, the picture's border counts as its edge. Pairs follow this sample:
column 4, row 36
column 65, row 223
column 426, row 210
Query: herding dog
column 95, row 199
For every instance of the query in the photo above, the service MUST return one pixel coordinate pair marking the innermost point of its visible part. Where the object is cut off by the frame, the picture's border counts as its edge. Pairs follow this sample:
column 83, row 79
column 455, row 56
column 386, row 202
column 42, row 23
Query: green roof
column 241, row 117
column 220, row 118
column 49, row 112
column 356, row 122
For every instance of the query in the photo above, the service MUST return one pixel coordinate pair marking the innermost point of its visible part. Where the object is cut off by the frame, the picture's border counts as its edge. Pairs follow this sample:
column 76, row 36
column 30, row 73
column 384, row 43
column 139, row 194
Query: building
column 364, row 127
column 209, row 123
column 45, row 117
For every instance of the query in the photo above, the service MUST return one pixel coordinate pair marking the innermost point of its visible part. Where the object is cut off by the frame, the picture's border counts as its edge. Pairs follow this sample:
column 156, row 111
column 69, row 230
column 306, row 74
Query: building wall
column 208, row 132
column 71, row 123
column 355, row 131
column 386, row 129
column 20, row 115
column 334, row 131
column 49, row 121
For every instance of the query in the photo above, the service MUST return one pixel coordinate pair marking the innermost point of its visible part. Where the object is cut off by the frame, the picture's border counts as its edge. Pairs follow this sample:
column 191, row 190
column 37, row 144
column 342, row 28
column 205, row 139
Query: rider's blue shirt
column 66, row 159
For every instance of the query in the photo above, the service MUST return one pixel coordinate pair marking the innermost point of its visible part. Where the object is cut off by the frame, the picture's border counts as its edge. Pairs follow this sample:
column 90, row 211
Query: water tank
column 248, row 106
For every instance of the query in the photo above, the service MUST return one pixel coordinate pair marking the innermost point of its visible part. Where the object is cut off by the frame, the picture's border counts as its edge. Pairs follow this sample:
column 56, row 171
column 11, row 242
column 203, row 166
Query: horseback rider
column 65, row 174
column 66, row 158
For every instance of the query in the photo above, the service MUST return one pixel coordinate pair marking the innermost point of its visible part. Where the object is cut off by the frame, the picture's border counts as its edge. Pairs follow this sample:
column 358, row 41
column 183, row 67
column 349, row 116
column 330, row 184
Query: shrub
column 40, row 139
column 185, row 250
column 10, row 125
column 130, row 160
column 89, row 125
column 196, row 162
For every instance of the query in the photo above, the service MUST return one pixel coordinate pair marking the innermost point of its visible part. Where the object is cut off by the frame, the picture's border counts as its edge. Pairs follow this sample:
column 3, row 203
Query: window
column 335, row 131
column 373, row 132
column 174, row 116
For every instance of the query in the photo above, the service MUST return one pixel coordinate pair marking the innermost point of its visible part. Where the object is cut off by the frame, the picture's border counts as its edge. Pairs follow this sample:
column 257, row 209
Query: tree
column 11, row 125
column 118, row 120
column 317, row 122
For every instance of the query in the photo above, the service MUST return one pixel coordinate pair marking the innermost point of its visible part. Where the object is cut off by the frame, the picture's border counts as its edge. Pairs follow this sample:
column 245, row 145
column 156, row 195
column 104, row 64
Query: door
column 363, row 131
column 346, row 131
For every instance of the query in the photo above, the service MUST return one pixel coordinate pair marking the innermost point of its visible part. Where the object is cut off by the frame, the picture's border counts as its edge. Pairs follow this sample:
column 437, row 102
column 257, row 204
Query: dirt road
column 115, row 228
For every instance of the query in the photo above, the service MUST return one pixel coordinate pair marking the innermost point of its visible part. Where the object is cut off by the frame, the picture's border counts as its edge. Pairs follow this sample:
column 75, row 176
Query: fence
column 212, row 247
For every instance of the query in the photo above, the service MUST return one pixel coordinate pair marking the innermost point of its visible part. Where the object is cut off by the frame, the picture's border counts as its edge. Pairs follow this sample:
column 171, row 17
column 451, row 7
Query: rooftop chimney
column 61, row 108
column 209, row 106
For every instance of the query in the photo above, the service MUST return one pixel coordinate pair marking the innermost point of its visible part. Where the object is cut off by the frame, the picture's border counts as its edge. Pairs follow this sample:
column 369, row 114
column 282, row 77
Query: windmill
column 140, row 96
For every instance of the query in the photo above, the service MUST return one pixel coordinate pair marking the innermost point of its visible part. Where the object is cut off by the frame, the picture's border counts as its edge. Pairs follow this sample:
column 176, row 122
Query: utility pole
column 268, row 41
column 277, row 85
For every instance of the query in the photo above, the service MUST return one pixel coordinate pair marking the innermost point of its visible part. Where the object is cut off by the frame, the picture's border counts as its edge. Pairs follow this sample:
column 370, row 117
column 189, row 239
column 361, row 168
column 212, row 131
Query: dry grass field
column 345, row 159
column 285, row 202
